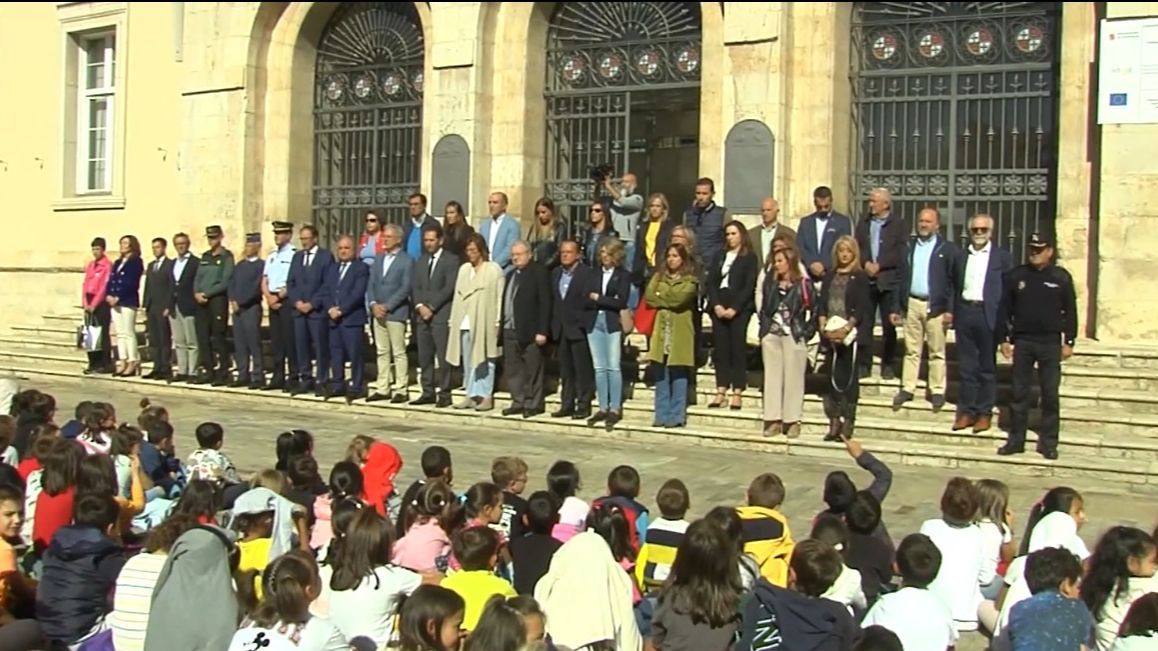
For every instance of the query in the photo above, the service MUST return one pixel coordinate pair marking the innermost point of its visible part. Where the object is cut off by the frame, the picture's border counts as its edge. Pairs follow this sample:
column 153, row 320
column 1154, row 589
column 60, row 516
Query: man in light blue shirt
column 281, row 325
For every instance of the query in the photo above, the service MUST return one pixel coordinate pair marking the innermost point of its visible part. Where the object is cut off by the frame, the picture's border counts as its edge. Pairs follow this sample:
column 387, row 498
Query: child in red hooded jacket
column 380, row 463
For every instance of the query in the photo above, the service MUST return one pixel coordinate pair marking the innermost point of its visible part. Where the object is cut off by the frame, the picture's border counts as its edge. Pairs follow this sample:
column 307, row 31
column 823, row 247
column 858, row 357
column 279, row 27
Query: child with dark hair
column 345, row 483
column 662, row 539
column 563, row 482
column 958, row 537
column 436, row 466
column 840, row 492
column 531, row 554
column 510, row 475
column 766, row 535
column 81, row 566
column 867, row 552
column 797, row 615
column 917, row 616
column 305, row 485
column 698, row 608
column 728, row 520
column 1054, row 617
column 8, row 452
column 426, row 523
column 610, row 522
column 847, row 590
column 80, row 416
column 283, row 619
column 477, row 549
column 208, row 462
column 159, row 460
column 1121, row 569
column 878, row 638
column 431, row 620
column 623, row 486
column 1139, row 631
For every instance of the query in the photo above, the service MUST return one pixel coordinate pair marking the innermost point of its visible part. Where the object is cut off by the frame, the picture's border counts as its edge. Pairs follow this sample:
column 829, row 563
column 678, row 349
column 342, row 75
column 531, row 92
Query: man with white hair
column 389, row 296
column 883, row 239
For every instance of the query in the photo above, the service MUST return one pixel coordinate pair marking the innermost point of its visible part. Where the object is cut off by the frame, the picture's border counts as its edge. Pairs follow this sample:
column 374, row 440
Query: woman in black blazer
column 845, row 295
column 605, row 337
column 731, row 302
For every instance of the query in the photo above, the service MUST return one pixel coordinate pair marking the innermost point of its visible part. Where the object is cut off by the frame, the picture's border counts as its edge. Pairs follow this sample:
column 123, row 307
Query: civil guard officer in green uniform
column 245, row 306
column 210, row 290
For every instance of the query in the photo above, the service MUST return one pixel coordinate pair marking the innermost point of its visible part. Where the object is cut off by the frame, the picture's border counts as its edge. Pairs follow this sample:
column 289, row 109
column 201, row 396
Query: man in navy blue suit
column 305, row 293
column 345, row 283
column 818, row 232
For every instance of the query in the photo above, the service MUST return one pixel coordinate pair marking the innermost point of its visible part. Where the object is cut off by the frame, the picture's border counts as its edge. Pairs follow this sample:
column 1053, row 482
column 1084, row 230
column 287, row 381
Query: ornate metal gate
column 367, row 115
column 956, row 108
column 600, row 54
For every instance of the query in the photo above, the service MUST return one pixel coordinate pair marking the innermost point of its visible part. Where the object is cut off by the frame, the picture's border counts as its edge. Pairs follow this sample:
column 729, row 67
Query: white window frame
column 85, row 97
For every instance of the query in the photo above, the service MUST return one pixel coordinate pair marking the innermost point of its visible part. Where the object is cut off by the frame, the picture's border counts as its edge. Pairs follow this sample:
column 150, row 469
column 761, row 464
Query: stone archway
column 288, row 133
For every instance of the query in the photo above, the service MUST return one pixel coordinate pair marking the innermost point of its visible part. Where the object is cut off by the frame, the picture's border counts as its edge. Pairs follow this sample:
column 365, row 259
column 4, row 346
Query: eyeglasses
column 979, row 230
column 596, row 210
column 371, row 220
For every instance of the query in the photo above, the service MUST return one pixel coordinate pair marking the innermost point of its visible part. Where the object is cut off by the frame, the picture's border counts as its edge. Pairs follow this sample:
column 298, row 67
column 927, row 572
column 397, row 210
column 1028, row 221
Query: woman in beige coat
column 474, row 323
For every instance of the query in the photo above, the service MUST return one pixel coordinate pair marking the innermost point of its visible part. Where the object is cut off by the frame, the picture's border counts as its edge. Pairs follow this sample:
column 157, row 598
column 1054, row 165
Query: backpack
column 631, row 510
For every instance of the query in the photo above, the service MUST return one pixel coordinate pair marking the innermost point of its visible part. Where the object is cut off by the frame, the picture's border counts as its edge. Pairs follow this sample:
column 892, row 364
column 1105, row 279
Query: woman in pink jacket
column 97, row 311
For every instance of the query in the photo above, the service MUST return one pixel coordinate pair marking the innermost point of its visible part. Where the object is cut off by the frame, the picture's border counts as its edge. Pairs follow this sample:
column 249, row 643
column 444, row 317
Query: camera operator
column 626, row 205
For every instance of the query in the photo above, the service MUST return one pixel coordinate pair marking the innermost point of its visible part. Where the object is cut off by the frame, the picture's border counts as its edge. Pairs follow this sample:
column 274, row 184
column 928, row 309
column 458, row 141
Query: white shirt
column 919, row 618
column 319, row 634
column 965, row 568
column 311, row 255
column 821, row 226
column 1106, row 629
column 387, row 261
column 847, row 590
column 607, row 273
column 368, row 611
column 729, row 260
column 494, row 232
column 975, row 268
column 994, row 536
column 179, row 265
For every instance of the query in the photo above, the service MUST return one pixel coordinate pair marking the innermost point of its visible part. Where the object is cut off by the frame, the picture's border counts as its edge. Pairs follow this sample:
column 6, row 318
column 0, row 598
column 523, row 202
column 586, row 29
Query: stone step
column 976, row 460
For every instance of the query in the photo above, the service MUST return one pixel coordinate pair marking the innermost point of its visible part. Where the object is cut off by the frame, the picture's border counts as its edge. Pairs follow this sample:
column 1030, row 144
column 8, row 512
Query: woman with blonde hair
column 652, row 238
column 124, row 298
column 786, row 326
column 475, row 321
column 672, row 349
column 546, row 234
column 844, row 303
column 605, row 339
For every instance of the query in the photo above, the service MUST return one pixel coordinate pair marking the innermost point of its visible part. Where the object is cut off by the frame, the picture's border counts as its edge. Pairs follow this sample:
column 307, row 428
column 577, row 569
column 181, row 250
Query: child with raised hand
column 283, row 619
column 663, row 536
column 1053, row 617
column 431, row 619
column 918, row 617
column 510, row 474
column 531, row 554
column 208, row 462
column 563, row 482
column 477, row 549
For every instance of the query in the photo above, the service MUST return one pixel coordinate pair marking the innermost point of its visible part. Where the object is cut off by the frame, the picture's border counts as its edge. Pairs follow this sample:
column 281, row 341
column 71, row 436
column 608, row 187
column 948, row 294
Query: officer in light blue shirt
column 281, row 326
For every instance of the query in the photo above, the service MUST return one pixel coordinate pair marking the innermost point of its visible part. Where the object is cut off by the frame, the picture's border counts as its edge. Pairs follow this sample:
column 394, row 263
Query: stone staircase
column 1109, row 419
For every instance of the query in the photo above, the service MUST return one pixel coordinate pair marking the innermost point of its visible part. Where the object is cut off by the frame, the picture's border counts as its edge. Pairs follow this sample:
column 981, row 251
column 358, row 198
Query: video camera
column 600, row 173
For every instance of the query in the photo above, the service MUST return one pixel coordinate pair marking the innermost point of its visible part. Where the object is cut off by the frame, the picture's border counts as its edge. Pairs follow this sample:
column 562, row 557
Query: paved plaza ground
column 714, row 475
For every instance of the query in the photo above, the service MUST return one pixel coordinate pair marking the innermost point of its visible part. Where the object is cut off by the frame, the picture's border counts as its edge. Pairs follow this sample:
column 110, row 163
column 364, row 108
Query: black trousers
column 101, row 316
column 523, row 371
column 281, row 335
column 431, row 340
column 976, row 361
column 211, row 320
column 881, row 302
column 160, row 341
column 247, row 344
column 577, row 373
column 730, row 351
column 1045, row 354
column 844, row 382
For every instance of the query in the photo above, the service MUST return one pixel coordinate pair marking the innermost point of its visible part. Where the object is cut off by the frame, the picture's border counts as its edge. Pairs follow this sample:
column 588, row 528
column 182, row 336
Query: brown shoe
column 772, row 428
column 792, row 431
column 963, row 421
column 982, row 424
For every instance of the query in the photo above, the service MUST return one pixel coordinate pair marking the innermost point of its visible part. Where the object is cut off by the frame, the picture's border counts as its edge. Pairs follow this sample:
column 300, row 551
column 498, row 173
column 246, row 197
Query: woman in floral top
column 786, row 326
column 672, row 349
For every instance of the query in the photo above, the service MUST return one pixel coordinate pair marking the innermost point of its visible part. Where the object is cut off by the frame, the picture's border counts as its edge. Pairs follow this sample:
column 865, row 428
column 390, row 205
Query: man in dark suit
column 345, row 305
column 182, row 318
column 573, row 315
column 388, row 294
column 883, row 239
column 432, row 291
column 978, row 289
column 158, row 304
column 245, row 306
column 526, row 326
column 304, row 292
column 817, row 233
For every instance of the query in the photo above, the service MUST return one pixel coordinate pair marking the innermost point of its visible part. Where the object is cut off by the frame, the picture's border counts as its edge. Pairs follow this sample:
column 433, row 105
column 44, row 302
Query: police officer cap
column 1039, row 241
column 253, row 238
column 213, row 231
column 283, row 227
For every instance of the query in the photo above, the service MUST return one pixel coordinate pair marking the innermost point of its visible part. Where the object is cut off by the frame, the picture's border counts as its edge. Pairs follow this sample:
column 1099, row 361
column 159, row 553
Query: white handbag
column 836, row 323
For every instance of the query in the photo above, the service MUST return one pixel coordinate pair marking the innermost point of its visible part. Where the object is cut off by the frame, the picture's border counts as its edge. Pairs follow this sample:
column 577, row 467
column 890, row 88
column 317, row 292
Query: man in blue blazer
column 978, row 286
column 388, row 294
column 500, row 231
column 345, row 302
column 818, row 232
column 306, row 295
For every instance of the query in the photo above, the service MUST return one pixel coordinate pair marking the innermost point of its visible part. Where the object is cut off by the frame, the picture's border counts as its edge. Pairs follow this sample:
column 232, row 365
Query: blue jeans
column 606, row 350
column 671, row 394
column 479, row 382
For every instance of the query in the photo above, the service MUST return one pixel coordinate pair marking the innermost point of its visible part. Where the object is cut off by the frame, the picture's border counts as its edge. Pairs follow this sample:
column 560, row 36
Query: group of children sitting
column 109, row 541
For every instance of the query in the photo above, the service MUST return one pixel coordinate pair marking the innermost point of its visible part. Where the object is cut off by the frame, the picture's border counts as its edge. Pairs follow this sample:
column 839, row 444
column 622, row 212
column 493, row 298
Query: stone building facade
column 154, row 118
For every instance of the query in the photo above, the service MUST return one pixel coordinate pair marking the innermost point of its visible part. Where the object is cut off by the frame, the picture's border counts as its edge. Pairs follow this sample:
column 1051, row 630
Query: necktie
column 342, row 275
column 308, row 254
column 430, row 268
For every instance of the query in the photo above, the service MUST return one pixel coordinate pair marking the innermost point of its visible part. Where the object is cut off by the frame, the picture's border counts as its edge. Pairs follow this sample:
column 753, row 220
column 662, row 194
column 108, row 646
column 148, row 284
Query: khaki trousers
column 922, row 330
column 785, row 362
column 393, row 365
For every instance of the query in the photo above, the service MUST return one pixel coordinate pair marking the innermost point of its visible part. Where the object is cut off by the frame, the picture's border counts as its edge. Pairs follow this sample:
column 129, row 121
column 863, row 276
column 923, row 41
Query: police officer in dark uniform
column 210, row 289
column 1040, row 325
column 245, row 306
column 281, row 321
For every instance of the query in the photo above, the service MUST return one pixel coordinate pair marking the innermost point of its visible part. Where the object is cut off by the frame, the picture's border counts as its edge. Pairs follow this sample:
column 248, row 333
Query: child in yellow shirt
column 477, row 550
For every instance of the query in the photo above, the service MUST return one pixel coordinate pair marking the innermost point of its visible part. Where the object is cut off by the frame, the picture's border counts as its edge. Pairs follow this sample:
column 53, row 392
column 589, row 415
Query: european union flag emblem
column 1117, row 99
